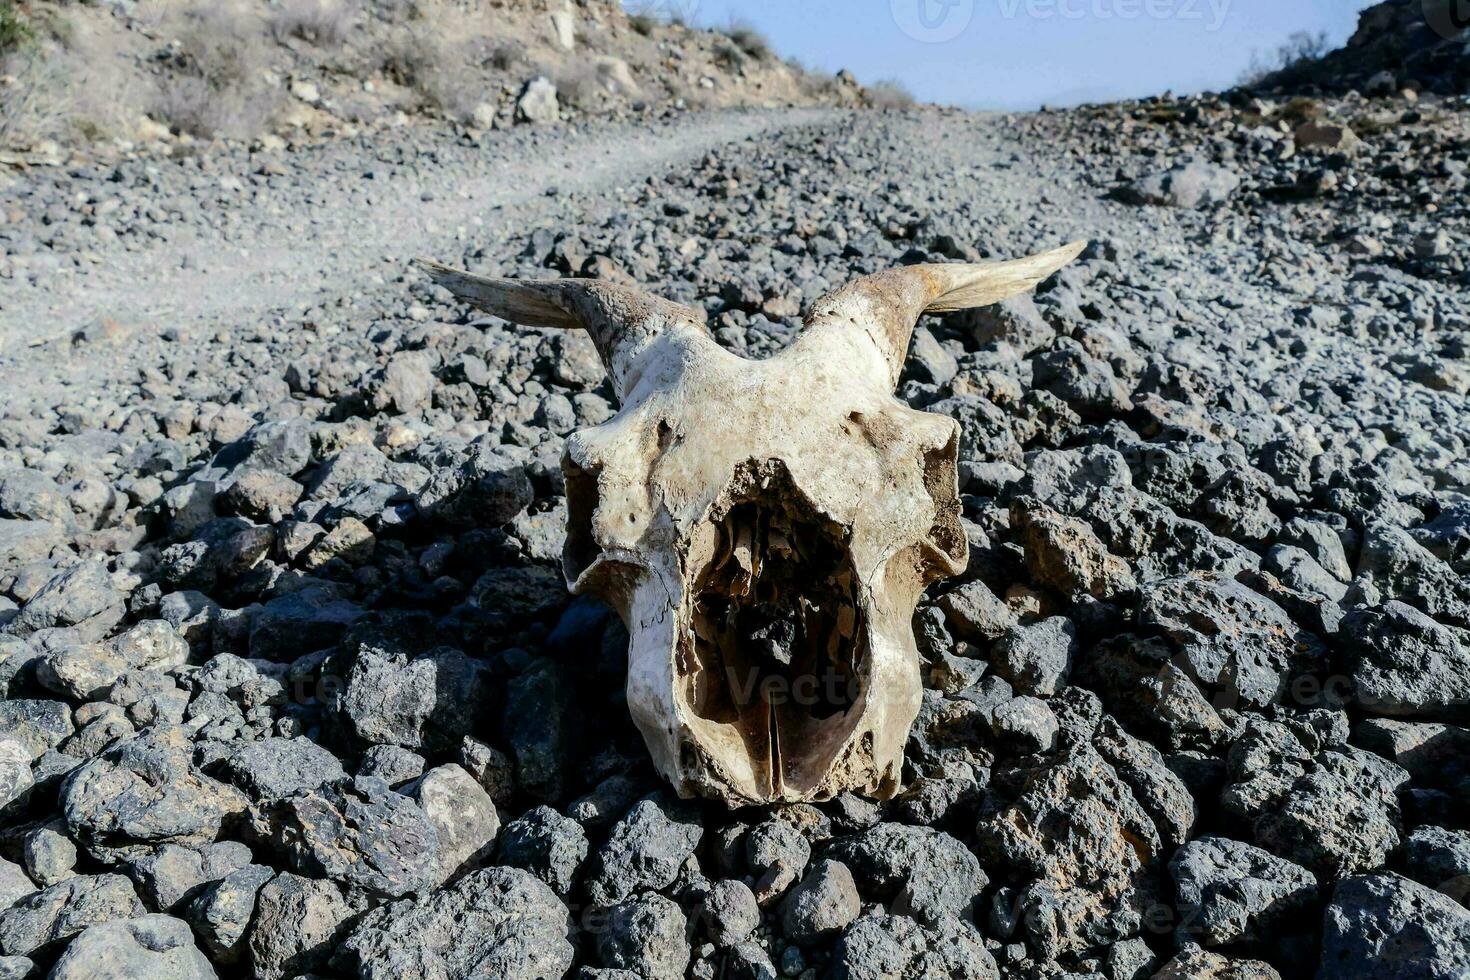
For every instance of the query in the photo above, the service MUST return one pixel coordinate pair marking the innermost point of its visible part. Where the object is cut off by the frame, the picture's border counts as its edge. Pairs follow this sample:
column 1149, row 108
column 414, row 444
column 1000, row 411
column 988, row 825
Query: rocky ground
column 294, row 686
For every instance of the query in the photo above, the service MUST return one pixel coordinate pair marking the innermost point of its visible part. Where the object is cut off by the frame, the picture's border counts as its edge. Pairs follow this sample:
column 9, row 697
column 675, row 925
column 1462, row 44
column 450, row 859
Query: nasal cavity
column 778, row 645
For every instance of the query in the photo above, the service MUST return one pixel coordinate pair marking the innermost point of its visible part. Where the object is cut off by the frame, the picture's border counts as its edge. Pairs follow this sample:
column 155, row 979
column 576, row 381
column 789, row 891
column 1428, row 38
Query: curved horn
column 620, row 319
column 888, row 304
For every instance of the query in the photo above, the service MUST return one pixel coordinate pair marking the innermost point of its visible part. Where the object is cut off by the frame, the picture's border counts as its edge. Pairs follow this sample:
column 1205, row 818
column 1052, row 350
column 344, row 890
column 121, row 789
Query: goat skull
column 764, row 528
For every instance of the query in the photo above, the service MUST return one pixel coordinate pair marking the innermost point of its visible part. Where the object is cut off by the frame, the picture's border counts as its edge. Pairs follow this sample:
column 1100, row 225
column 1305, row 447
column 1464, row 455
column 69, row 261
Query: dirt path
column 334, row 224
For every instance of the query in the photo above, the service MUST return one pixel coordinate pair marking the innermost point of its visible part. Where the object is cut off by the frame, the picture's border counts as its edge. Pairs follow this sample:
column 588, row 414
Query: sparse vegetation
column 506, row 55
column 889, row 93
column 33, row 98
column 15, row 30
column 1300, row 49
column 423, row 62
column 579, row 86
column 218, row 89
column 749, row 40
column 324, row 23
column 643, row 23
column 236, row 68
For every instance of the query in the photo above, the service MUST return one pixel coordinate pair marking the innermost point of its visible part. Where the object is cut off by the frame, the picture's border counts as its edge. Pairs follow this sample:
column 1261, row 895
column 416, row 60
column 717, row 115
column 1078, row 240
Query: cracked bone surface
column 764, row 528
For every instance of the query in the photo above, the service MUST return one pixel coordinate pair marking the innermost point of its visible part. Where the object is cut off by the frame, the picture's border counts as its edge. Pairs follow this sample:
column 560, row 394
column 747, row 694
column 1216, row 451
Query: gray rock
column 546, row 844
column 14, row 884
column 1404, row 569
column 821, row 906
column 895, row 947
column 15, row 773
column 1198, row 963
column 492, row 768
column 25, row 542
column 537, row 102
column 1440, row 859
column 1026, row 724
column 158, row 947
column 37, row 725
column 926, row 873
column 484, row 487
column 168, row 873
column 1385, row 927
column 31, row 496
column 262, row 495
column 41, row 920
column 749, row 961
column 1334, row 812
column 777, row 855
column 463, row 815
column 1037, row 658
column 222, row 911
column 298, row 923
column 429, row 702
column 645, row 850
column 1233, row 642
column 1077, row 833
column 1193, row 185
column 81, row 596
column 1161, row 793
column 976, row 614
column 1232, row 892
column 497, row 922
column 1015, row 321
column 405, row 385
column 49, row 854
column 1403, row 663
column 141, row 792
column 648, row 935
column 729, row 913
column 271, row 768
column 360, row 834
column 393, row 764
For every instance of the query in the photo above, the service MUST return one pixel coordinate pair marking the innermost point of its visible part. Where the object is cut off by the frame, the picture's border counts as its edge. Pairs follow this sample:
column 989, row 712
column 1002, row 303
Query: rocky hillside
column 124, row 75
column 1421, row 45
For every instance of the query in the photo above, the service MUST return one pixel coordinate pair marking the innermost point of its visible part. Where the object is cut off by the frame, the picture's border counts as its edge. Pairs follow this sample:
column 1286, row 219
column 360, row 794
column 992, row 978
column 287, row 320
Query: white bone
column 765, row 528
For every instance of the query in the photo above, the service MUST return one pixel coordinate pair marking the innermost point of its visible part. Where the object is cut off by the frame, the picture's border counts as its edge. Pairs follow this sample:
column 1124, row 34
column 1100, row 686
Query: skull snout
column 773, row 666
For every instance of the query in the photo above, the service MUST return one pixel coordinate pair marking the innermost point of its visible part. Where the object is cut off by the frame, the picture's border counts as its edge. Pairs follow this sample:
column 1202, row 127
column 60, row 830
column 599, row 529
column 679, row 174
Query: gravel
column 292, row 684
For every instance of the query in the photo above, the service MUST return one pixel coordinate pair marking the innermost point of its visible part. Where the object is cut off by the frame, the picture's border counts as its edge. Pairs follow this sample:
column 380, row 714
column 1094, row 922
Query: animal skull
column 764, row 528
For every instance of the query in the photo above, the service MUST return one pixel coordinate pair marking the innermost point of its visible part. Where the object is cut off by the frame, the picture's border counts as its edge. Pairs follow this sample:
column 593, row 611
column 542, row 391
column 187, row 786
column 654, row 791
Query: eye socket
column 581, row 548
column 949, row 548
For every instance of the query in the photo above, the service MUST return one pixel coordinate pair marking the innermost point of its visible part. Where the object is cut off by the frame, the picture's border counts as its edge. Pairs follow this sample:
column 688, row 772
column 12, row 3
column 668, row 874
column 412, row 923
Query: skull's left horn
column 620, row 319
column 888, row 304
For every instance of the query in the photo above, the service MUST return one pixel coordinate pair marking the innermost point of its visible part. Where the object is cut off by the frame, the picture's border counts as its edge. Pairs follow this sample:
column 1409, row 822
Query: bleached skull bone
column 765, row 528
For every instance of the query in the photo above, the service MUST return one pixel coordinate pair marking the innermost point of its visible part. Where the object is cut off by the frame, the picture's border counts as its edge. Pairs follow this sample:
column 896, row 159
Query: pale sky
column 1019, row 54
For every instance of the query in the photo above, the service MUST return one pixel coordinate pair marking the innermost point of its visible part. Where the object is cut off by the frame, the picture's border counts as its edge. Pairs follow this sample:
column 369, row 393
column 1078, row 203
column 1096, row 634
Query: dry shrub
column 749, row 40
column 815, row 84
column 889, row 93
column 505, row 55
column 729, row 56
column 217, row 87
column 33, row 98
column 433, row 69
column 579, row 86
column 643, row 23
column 324, row 23
column 15, row 30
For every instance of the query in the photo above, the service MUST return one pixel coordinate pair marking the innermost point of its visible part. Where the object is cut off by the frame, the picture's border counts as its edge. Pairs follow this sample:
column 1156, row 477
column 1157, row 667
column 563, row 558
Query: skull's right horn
column 888, row 304
column 621, row 320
